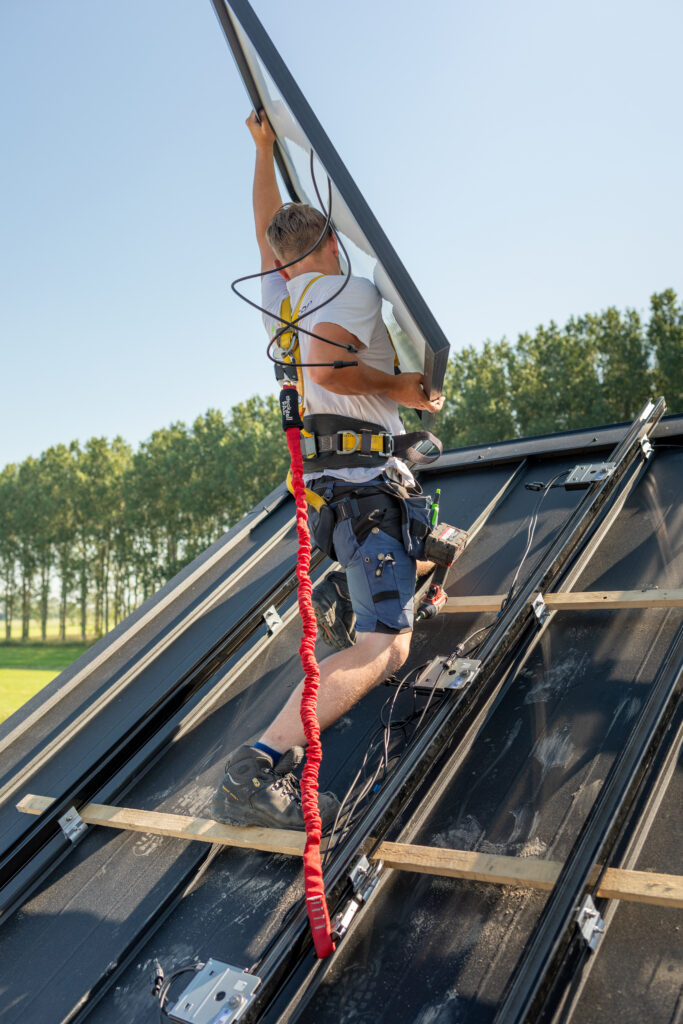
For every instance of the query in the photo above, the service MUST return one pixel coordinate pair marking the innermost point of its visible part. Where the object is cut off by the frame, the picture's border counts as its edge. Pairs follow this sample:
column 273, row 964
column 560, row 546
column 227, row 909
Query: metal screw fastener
column 235, row 1001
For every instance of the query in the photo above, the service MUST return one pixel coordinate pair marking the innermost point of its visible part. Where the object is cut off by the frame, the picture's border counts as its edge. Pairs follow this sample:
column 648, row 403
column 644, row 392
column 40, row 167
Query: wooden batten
column 527, row 872
column 588, row 600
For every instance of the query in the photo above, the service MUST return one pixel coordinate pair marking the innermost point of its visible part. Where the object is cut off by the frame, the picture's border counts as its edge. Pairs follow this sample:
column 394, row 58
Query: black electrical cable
column 163, row 994
column 461, row 649
column 344, row 822
column 294, row 324
column 531, row 529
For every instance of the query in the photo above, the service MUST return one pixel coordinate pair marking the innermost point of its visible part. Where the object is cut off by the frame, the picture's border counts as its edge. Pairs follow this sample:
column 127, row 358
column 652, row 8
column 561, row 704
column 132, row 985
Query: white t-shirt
column 358, row 309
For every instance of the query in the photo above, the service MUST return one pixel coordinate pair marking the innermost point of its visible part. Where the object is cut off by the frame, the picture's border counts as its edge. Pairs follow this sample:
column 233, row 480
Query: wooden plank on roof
column 528, row 872
column 588, row 600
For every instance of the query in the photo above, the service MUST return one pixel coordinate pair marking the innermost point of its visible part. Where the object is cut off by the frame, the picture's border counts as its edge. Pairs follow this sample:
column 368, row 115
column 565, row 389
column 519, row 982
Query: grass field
column 73, row 630
column 26, row 667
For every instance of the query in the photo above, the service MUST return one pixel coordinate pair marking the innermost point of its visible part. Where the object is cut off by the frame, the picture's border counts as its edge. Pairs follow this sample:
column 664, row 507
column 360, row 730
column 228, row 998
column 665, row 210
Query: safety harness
column 332, row 441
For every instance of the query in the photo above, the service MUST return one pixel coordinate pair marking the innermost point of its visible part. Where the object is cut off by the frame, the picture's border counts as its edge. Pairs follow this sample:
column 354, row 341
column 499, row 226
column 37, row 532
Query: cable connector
column 158, row 977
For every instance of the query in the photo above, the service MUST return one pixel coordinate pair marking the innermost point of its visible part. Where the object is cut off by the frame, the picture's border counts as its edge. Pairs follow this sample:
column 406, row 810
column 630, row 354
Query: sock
column 275, row 754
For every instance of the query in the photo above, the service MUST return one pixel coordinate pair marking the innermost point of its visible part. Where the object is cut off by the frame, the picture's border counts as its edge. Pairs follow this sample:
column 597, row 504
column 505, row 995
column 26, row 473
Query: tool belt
column 401, row 512
column 329, row 441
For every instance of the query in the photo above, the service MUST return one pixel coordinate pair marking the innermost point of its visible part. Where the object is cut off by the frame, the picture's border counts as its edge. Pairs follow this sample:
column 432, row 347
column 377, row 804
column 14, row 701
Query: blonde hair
column 294, row 229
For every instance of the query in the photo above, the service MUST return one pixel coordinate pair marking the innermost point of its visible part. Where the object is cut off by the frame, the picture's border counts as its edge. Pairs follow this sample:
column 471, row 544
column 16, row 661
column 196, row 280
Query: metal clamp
column 272, row 620
column 589, row 922
column 540, row 609
column 364, row 878
column 72, row 825
column 646, row 446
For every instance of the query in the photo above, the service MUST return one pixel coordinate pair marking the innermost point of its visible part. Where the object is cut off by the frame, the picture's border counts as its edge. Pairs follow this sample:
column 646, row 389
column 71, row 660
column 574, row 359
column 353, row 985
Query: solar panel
column 419, row 341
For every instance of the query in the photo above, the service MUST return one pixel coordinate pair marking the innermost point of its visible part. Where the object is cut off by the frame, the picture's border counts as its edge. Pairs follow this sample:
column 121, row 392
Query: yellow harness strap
column 290, row 351
column 288, row 342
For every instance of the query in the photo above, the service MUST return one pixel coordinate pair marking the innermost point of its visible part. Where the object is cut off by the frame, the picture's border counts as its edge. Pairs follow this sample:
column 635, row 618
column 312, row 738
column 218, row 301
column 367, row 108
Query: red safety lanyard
column 316, row 904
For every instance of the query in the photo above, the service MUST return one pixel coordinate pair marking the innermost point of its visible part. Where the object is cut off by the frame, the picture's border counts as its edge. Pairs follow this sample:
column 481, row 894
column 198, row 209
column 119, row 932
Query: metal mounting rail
column 149, row 927
column 18, row 781
column 289, row 957
column 31, row 855
column 131, row 627
column 576, row 964
column 532, row 979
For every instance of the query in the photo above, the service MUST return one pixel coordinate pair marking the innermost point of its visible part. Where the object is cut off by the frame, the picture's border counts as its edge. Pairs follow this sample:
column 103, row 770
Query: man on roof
column 375, row 512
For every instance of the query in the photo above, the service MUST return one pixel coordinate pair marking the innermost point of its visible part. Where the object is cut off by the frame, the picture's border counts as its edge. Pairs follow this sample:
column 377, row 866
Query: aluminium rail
column 177, row 892
column 575, row 966
column 18, row 781
column 35, row 852
column 532, row 979
column 128, row 629
column 289, row 958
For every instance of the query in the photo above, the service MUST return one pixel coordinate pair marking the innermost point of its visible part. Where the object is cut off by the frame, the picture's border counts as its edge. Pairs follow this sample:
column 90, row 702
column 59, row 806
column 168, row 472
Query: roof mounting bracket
column 272, row 620
column 72, row 825
column 364, row 878
column 590, row 923
column 646, row 446
column 218, row 994
column 581, row 478
column 448, row 673
column 540, row 609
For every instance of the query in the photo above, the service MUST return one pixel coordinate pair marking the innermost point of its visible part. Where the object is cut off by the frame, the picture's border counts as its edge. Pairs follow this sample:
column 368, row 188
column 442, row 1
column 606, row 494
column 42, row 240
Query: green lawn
column 26, row 668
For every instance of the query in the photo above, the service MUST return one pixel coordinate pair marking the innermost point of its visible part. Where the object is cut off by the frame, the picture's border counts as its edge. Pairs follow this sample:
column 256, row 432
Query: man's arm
column 266, row 195
column 404, row 388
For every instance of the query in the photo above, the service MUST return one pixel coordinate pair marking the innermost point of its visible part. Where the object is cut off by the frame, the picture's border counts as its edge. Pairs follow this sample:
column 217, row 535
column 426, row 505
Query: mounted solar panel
column 419, row 341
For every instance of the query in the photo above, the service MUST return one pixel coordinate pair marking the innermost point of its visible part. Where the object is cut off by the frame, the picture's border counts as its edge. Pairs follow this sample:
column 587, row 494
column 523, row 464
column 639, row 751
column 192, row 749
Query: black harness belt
column 329, row 441
column 399, row 511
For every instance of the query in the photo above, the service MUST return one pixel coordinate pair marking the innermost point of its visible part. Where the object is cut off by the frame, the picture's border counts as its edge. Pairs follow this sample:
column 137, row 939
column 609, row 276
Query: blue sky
column 524, row 160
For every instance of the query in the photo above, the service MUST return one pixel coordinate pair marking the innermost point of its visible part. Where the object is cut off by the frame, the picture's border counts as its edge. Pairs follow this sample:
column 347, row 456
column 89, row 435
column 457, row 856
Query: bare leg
column 345, row 677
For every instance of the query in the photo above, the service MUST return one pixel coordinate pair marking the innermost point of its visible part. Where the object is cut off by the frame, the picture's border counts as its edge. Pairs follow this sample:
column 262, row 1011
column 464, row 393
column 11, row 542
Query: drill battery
column 444, row 543
column 442, row 546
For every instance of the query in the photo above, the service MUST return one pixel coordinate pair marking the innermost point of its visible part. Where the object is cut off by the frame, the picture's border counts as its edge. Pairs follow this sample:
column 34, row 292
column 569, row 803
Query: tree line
column 98, row 528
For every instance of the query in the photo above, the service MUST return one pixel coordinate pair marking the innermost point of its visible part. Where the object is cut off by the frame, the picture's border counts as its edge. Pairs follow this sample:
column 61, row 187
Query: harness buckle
column 309, row 447
column 341, row 434
column 387, row 443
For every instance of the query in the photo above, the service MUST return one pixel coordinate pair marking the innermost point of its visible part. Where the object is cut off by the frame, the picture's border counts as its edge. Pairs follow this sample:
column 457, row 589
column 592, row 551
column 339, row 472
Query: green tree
column 9, row 543
column 623, row 362
column 59, row 480
column 665, row 334
column 27, row 529
column 258, row 455
column 478, row 405
column 554, row 379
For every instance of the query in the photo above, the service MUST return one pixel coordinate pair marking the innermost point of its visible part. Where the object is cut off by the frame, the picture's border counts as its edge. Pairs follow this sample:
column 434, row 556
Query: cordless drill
column 442, row 546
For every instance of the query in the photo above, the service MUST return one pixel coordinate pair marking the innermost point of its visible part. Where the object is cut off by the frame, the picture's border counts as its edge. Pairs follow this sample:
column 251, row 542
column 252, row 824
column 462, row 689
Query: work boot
column 254, row 791
column 333, row 611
